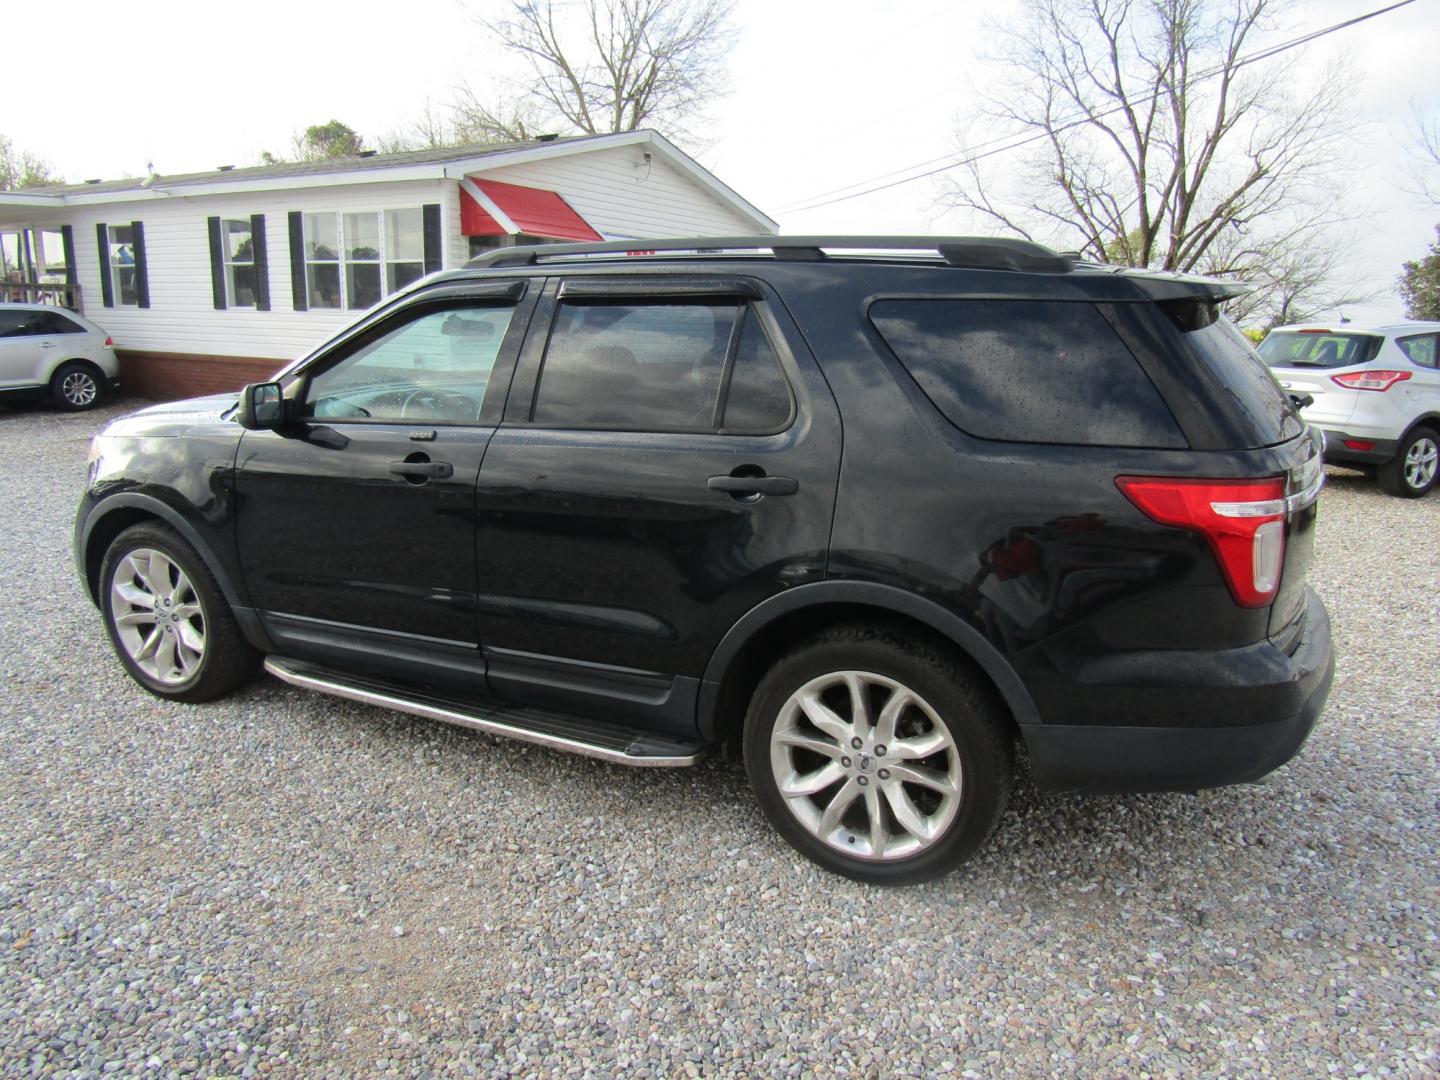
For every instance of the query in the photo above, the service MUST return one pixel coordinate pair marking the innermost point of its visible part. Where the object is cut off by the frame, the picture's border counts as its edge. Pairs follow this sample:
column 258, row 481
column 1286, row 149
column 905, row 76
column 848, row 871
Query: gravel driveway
column 283, row 884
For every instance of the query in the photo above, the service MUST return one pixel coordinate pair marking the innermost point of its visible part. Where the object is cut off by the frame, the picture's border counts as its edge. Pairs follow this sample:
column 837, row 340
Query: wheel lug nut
column 856, row 743
column 864, row 780
column 845, row 761
column 880, row 750
column 884, row 774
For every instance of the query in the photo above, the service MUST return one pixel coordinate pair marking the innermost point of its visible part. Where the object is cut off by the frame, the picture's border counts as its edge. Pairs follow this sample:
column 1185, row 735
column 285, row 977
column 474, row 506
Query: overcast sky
column 825, row 93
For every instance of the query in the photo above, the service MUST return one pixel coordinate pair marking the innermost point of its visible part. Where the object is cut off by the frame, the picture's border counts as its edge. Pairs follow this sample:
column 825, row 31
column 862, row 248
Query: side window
column 13, row 323
column 635, row 367
column 1027, row 371
column 122, row 265
column 758, row 398
column 433, row 369
column 1419, row 350
column 51, row 322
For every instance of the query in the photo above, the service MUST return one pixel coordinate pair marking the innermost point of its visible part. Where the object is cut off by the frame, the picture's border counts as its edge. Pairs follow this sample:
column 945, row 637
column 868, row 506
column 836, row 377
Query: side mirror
column 262, row 407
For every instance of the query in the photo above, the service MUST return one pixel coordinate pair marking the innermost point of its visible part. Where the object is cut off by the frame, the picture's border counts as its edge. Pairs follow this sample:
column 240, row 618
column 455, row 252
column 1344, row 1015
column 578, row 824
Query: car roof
column 1381, row 329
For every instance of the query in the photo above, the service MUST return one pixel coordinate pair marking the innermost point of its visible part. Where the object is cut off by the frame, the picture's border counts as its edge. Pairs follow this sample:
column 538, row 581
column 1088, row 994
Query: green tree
column 332, row 140
column 22, row 169
column 1419, row 283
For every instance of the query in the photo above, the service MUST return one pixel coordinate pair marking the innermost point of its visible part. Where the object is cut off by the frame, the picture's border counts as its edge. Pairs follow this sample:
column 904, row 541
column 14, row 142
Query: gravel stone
column 282, row 884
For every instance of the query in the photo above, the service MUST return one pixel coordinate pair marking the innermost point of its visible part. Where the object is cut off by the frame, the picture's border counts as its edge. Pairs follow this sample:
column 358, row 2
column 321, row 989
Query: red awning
column 491, row 208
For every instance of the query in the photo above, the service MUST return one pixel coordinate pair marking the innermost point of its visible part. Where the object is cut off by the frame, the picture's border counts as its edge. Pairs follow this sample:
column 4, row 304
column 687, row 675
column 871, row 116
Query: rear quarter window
column 1027, row 371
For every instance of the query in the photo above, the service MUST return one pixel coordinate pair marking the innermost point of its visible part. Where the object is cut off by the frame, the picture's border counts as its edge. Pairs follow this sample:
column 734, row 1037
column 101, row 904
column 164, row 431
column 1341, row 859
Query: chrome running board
column 606, row 741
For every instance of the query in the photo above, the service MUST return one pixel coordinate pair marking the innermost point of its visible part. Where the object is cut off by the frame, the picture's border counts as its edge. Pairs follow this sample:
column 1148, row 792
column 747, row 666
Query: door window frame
column 747, row 294
column 388, row 319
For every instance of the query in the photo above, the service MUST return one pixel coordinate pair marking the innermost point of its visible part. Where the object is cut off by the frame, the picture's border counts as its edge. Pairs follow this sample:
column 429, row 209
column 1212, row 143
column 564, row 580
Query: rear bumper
column 1337, row 453
column 1286, row 704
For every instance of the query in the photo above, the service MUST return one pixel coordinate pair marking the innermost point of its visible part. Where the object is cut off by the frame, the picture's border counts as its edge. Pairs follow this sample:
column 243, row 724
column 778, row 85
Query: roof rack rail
column 971, row 252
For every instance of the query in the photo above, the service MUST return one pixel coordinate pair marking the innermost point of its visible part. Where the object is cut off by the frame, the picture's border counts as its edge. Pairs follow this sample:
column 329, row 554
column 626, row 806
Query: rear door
column 1422, row 389
column 20, row 347
column 355, row 525
column 668, row 460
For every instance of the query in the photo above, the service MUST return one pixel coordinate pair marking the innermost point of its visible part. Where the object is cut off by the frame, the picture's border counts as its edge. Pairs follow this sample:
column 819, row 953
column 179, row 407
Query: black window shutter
column 297, row 260
column 262, row 262
column 142, row 268
column 67, row 238
column 217, row 263
column 431, row 221
column 107, row 287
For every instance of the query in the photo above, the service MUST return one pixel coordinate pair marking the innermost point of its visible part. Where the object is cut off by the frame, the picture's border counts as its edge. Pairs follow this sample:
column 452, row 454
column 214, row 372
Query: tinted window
column 1419, row 350
column 1290, row 348
column 434, row 368
column 1253, row 391
column 11, row 323
column 635, row 367
column 51, row 322
column 1027, row 371
column 759, row 397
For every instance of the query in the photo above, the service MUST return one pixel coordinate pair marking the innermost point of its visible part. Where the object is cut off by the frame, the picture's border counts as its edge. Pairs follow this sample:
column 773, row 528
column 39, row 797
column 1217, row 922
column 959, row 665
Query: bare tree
column 1425, row 166
column 1156, row 142
column 598, row 66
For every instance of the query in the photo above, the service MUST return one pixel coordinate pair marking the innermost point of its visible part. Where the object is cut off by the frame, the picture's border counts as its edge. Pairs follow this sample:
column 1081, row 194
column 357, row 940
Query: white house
column 209, row 280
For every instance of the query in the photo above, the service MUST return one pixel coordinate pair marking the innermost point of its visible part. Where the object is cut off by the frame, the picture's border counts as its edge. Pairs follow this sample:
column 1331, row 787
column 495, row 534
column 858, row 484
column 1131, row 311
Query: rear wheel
column 877, row 756
column 168, row 619
column 76, row 386
column 1413, row 470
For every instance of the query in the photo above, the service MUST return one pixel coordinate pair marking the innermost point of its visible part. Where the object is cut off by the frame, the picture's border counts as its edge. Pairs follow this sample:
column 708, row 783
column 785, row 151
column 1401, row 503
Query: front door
column 668, row 460
column 355, row 525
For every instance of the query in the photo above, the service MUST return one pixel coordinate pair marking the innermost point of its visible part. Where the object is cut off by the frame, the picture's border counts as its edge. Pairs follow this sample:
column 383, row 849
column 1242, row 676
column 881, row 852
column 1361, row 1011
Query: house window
column 362, row 257
column 322, row 260
column 121, row 262
column 237, row 250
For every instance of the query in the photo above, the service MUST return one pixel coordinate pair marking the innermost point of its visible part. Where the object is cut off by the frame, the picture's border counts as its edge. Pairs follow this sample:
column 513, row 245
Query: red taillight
column 1370, row 380
column 109, row 343
column 1243, row 520
column 1359, row 444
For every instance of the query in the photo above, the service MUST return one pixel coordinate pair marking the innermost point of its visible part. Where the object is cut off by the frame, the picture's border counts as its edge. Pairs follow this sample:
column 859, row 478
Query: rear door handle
column 754, row 485
column 429, row 470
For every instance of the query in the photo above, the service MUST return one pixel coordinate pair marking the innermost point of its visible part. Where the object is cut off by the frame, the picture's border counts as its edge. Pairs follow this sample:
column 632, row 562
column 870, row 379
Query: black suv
column 871, row 510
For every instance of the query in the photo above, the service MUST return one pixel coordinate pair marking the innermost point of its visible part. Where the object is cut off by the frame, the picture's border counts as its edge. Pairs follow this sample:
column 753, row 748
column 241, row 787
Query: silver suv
column 49, row 351
column 1374, row 392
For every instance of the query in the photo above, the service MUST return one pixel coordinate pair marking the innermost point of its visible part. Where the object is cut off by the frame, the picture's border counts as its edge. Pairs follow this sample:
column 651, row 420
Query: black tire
column 77, row 386
column 225, row 662
column 975, row 724
column 1396, row 476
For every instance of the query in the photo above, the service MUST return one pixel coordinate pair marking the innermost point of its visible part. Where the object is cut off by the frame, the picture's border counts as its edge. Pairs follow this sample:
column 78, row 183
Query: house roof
column 353, row 163
column 453, row 161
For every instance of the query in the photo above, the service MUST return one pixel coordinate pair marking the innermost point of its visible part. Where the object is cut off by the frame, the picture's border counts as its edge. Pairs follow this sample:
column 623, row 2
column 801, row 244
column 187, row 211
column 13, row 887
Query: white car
column 1375, row 393
column 51, row 351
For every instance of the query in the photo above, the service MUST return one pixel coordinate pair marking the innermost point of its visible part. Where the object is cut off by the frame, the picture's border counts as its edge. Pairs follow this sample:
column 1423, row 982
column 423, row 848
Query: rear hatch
column 1303, row 362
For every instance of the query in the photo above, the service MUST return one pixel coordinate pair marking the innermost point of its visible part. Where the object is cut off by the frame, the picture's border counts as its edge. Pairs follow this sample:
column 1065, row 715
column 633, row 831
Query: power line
column 1008, row 143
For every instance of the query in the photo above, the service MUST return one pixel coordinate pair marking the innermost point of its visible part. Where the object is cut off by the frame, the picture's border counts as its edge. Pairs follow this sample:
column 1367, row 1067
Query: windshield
column 1318, row 348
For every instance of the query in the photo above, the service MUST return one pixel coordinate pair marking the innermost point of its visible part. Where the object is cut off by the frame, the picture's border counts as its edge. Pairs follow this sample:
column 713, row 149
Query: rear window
column 1294, row 348
column 1252, row 390
column 1027, row 371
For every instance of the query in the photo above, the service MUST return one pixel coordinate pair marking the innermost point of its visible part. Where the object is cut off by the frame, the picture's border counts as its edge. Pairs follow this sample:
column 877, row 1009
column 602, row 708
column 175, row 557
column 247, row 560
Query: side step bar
column 608, row 742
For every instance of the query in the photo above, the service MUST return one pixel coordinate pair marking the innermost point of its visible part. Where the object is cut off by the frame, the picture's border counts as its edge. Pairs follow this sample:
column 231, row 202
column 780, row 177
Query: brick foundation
column 170, row 376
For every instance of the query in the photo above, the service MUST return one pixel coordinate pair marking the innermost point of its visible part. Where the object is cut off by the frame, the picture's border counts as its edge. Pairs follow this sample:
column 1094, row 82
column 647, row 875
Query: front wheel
column 168, row 619
column 1412, row 472
column 878, row 756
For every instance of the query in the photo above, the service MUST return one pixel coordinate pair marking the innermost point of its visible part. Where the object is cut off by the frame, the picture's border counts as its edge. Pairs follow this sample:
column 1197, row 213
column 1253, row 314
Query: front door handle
column 423, row 470
column 754, row 485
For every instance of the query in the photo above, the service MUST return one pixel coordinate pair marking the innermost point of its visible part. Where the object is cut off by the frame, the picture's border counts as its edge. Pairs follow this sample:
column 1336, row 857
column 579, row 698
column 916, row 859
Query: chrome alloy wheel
column 79, row 388
column 866, row 765
column 1420, row 462
column 157, row 616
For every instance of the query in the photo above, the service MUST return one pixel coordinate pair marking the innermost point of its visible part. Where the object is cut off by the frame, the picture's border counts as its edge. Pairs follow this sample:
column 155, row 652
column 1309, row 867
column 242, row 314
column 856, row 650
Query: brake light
column 1370, row 380
column 1243, row 521
column 109, row 343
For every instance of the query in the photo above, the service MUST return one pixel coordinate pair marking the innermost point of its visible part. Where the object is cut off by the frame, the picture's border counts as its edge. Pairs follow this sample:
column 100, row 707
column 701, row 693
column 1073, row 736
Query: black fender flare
column 1430, row 420
column 870, row 594
column 137, row 500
